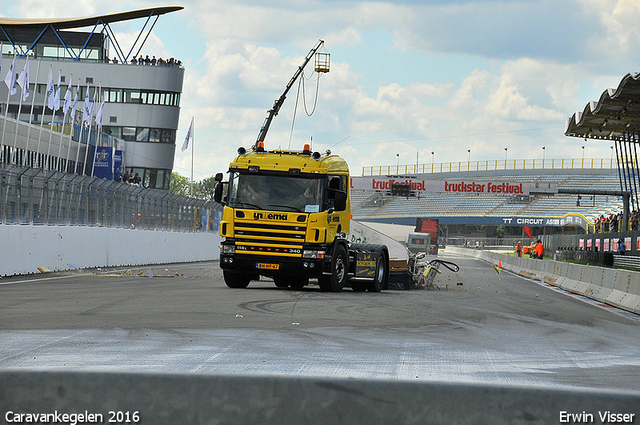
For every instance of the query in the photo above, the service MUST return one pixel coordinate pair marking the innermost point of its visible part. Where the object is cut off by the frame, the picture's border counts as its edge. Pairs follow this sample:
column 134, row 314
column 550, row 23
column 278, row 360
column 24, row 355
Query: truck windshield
column 275, row 192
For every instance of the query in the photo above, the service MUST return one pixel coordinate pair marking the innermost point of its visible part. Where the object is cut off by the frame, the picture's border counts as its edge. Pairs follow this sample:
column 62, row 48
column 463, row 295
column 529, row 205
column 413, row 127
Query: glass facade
column 153, row 178
column 141, row 134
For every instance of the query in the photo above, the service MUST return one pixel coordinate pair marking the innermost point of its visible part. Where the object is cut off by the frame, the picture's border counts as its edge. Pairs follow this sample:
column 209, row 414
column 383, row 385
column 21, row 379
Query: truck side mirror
column 340, row 200
column 218, row 191
column 218, row 177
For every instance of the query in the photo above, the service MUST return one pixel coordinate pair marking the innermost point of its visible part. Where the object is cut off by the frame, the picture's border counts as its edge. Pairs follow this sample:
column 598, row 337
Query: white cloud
column 503, row 67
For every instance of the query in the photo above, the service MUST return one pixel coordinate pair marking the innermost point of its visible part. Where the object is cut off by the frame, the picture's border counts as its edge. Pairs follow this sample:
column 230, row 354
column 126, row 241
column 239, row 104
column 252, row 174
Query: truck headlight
column 307, row 253
column 227, row 249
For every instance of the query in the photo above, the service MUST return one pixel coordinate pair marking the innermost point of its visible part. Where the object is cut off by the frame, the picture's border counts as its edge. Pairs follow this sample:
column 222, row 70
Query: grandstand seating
column 371, row 204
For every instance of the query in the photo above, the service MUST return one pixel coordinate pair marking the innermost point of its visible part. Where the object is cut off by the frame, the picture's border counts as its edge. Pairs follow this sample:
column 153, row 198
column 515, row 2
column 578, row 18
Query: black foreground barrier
column 158, row 398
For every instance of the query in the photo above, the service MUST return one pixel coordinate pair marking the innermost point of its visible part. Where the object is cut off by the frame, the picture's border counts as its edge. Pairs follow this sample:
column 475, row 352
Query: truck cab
column 285, row 217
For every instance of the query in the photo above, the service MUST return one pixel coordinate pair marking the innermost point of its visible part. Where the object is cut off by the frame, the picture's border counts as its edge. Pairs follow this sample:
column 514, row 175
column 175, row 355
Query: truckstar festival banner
column 450, row 186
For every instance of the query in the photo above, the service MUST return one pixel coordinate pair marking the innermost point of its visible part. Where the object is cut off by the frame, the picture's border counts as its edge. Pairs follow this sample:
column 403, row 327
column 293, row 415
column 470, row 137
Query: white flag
column 10, row 78
column 99, row 114
column 86, row 113
column 67, row 99
column 56, row 98
column 93, row 105
column 185, row 145
column 75, row 102
column 50, row 91
column 23, row 80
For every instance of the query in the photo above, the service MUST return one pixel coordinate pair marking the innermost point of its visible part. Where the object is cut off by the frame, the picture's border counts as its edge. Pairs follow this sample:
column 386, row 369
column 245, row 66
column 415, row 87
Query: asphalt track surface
column 495, row 328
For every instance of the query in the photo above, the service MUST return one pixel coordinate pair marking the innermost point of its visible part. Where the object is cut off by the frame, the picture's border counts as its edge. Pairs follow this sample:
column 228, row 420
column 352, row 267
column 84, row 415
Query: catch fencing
column 45, row 197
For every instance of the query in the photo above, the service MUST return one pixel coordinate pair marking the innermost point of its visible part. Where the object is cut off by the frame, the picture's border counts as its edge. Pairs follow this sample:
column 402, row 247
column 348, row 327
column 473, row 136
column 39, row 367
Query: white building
column 141, row 100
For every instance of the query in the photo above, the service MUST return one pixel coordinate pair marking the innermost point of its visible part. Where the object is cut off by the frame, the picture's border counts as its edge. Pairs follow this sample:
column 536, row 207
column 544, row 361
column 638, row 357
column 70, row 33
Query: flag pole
column 53, row 117
column 73, row 122
column 33, row 101
column 65, row 109
column 98, row 128
column 44, row 104
column 89, row 123
column 193, row 142
column 85, row 112
column 15, row 136
column 6, row 110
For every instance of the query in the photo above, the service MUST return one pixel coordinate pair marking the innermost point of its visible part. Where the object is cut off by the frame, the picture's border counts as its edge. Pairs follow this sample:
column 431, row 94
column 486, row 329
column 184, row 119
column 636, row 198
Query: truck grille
column 269, row 239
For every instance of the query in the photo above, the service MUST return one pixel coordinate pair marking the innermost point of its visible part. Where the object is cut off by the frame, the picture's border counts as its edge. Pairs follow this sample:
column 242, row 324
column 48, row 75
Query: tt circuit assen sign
column 447, row 186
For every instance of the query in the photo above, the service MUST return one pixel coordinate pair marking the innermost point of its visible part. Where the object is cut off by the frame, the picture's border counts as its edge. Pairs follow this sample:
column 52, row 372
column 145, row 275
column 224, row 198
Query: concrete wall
column 228, row 399
column 25, row 248
column 617, row 287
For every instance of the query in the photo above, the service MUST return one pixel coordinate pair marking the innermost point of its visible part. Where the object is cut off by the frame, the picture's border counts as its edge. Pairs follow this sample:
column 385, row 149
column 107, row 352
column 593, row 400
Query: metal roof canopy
column 56, row 25
column 614, row 115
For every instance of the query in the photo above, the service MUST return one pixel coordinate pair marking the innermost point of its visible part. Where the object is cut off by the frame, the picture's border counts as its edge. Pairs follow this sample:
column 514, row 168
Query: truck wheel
column 236, row 280
column 381, row 278
column 339, row 265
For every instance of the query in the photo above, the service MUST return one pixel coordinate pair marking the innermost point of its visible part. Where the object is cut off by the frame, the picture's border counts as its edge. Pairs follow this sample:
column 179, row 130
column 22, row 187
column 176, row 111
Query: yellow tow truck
column 286, row 216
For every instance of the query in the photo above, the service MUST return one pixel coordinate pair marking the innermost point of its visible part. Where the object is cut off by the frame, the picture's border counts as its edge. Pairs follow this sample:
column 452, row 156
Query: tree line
column 203, row 189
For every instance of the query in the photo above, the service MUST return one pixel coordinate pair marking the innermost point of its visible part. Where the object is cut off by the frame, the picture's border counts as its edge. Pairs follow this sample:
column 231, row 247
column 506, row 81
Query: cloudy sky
column 407, row 78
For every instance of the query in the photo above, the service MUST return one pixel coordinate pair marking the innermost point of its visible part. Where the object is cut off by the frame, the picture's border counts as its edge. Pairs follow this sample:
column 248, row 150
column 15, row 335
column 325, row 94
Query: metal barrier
column 169, row 398
column 46, row 197
column 488, row 165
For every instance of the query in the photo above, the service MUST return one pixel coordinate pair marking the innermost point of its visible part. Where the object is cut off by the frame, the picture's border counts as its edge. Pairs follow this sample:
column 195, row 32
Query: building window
column 129, row 134
column 142, row 135
column 153, row 178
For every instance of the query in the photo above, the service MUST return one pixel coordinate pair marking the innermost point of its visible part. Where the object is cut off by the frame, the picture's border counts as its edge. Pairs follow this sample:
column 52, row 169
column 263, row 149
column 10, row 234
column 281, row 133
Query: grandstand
column 538, row 205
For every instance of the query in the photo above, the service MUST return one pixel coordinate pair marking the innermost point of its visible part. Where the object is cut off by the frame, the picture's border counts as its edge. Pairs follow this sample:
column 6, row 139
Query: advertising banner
column 418, row 184
column 103, row 162
column 118, row 161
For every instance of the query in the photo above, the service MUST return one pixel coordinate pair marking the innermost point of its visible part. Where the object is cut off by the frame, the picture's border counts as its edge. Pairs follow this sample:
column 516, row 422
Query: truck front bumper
column 272, row 265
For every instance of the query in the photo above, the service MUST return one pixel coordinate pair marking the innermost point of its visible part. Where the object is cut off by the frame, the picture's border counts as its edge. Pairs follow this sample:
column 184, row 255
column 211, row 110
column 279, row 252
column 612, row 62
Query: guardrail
column 45, row 197
column 490, row 165
column 617, row 287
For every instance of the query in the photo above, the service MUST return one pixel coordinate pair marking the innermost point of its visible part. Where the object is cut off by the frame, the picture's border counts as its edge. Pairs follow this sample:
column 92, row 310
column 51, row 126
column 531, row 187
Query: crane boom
column 278, row 102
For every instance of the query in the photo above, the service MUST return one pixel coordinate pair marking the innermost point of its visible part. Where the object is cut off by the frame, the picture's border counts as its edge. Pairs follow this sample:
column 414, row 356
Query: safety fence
column 489, row 165
column 46, row 197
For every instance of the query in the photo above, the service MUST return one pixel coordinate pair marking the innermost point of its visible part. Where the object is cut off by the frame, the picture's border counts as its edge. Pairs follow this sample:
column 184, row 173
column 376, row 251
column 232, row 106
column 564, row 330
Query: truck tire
column 236, row 280
column 381, row 277
column 339, row 267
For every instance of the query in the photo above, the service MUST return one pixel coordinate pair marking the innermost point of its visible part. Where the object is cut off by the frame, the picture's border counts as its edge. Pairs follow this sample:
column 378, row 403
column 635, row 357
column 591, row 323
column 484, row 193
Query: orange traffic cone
column 500, row 263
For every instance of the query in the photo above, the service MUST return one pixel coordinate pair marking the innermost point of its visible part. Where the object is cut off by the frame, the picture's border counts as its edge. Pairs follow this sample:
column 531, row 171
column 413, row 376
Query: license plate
column 268, row 266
